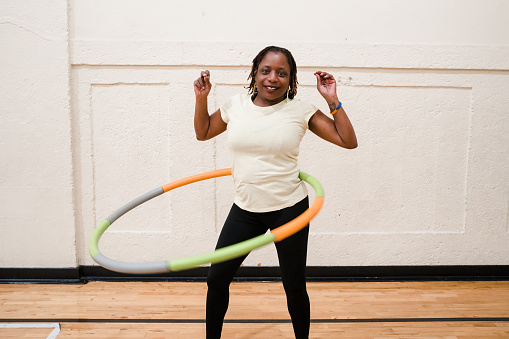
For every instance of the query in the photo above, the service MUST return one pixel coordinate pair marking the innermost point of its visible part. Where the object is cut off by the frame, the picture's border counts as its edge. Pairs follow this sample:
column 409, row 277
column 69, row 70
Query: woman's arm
column 205, row 126
column 339, row 129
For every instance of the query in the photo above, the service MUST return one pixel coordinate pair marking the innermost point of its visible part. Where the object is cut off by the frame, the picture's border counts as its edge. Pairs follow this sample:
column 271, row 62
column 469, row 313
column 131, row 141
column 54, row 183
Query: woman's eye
column 265, row 71
column 282, row 74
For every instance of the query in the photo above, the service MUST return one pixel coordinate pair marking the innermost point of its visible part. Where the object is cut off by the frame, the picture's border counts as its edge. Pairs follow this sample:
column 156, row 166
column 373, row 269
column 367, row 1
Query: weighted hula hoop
column 218, row 255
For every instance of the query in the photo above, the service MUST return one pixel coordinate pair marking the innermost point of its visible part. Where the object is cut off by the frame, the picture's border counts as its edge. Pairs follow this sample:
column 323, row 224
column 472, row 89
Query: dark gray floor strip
column 257, row 321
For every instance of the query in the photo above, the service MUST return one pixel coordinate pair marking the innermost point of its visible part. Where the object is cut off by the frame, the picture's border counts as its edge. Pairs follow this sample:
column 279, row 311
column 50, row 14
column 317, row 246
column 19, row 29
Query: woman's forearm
column 201, row 118
column 342, row 123
column 345, row 128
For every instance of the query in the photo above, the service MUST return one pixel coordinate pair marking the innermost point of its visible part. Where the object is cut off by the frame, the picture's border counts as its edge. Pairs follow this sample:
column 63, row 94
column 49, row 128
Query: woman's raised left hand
column 326, row 85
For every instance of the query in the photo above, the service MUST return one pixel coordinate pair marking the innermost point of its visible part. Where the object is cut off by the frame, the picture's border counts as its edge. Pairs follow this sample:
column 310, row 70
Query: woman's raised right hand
column 202, row 85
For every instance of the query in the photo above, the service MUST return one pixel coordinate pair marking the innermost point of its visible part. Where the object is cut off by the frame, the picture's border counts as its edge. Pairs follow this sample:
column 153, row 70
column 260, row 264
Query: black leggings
column 292, row 252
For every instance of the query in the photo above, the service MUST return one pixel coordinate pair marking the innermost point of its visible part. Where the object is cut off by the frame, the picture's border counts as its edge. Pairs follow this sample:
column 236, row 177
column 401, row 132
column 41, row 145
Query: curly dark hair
column 291, row 61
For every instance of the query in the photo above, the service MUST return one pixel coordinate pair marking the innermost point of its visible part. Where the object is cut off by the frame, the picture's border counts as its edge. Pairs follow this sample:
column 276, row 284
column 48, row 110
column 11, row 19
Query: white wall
column 36, row 198
column 432, row 22
column 424, row 82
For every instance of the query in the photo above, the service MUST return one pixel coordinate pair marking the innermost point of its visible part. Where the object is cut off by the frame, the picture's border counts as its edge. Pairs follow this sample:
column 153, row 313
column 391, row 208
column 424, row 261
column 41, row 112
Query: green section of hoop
column 313, row 183
column 222, row 254
column 93, row 243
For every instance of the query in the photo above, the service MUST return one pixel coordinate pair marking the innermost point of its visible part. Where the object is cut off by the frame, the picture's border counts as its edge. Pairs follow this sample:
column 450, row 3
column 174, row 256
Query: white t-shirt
column 264, row 142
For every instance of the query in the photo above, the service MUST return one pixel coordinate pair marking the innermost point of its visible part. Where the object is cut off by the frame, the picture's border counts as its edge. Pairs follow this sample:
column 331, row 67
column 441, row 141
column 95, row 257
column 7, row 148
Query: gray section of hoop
column 131, row 268
column 134, row 203
column 127, row 267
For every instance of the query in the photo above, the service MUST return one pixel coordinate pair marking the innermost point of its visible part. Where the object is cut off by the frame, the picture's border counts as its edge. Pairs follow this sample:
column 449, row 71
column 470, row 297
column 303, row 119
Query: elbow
column 350, row 145
column 200, row 136
column 353, row 145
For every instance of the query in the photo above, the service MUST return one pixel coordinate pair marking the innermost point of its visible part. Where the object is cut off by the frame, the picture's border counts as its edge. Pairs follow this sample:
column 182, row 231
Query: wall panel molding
column 90, row 52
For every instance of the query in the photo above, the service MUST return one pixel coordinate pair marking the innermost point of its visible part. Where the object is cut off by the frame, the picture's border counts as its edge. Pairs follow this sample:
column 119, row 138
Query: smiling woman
column 265, row 127
column 275, row 70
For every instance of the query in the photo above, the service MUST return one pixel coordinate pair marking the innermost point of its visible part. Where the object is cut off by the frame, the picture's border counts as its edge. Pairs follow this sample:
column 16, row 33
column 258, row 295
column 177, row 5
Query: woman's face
column 272, row 79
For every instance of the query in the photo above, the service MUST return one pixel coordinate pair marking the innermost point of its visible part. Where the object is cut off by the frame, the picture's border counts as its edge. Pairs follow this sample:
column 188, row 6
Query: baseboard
column 84, row 274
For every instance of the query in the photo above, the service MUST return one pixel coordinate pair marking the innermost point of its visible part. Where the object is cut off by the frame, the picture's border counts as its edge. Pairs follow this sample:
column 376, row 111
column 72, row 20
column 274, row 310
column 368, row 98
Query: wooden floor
column 257, row 310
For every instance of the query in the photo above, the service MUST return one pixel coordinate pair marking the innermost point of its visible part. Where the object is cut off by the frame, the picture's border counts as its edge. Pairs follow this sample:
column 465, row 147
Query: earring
column 287, row 94
column 254, row 88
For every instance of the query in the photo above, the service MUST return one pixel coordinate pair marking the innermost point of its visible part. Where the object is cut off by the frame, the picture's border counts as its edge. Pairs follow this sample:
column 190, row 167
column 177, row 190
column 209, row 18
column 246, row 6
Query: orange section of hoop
column 292, row 227
column 280, row 233
column 198, row 177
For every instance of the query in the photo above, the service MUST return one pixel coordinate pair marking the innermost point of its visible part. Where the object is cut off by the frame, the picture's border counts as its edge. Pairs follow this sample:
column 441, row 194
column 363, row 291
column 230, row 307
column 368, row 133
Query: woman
column 265, row 127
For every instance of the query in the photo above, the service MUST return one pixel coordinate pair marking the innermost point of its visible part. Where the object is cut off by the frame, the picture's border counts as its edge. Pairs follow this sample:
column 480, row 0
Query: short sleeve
column 307, row 111
column 225, row 110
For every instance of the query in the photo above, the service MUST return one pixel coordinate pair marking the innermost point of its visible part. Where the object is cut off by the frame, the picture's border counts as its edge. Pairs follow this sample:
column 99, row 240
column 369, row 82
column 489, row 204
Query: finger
column 206, row 78
column 326, row 77
column 205, row 74
column 199, row 83
column 319, row 80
